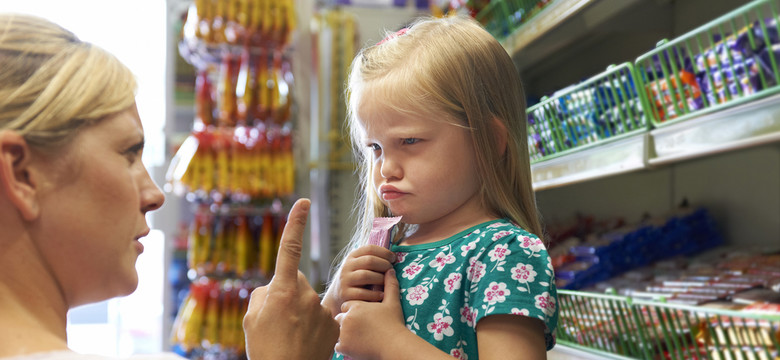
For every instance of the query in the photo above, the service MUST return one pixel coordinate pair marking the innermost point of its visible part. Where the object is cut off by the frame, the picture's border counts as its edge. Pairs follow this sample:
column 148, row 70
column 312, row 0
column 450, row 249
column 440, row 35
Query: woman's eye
column 134, row 152
column 132, row 157
column 410, row 141
column 374, row 147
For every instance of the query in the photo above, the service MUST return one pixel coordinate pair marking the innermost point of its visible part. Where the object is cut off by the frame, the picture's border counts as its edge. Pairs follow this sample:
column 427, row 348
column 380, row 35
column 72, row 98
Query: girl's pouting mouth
column 389, row 192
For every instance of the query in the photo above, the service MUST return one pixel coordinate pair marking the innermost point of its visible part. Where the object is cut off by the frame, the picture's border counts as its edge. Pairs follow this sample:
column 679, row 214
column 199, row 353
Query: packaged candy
column 381, row 231
column 381, row 235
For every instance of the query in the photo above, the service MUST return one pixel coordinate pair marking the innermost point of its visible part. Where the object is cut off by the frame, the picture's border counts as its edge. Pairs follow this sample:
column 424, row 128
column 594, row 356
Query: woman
column 74, row 194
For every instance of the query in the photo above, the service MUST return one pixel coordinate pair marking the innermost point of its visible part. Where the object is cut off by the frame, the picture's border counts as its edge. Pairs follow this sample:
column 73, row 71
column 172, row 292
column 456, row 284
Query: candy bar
column 381, row 231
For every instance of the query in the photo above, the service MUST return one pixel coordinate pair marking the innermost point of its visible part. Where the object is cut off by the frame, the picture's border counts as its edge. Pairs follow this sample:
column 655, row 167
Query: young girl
column 438, row 115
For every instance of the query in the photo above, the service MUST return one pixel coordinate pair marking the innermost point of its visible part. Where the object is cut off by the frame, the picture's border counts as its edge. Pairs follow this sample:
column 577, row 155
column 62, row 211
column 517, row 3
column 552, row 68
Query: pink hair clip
column 394, row 35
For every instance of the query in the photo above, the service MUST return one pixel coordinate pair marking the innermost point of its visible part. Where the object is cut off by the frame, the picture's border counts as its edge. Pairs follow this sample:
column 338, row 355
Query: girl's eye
column 410, row 141
column 374, row 147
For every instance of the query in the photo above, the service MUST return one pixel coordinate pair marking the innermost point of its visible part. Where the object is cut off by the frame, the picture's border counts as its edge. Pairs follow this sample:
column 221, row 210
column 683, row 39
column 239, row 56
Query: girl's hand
column 368, row 328
column 363, row 267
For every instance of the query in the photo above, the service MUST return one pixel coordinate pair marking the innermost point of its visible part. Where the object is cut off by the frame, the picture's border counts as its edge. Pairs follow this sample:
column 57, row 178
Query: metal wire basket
column 622, row 327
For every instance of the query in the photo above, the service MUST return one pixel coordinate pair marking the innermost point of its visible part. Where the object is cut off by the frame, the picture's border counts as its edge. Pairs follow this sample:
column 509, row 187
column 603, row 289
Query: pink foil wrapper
column 382, row 230
column 381, row 233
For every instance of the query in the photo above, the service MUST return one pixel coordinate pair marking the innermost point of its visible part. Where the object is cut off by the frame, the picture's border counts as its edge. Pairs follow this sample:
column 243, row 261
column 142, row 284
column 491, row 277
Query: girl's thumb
column 392, row 291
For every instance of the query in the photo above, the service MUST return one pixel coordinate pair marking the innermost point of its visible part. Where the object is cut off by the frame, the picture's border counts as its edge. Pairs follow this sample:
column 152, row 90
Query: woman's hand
column 363, row 269
column 285, row 319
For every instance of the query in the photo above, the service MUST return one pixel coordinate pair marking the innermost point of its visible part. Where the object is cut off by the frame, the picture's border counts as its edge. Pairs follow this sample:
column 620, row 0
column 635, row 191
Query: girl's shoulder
column 503, row 230
column 504, row 238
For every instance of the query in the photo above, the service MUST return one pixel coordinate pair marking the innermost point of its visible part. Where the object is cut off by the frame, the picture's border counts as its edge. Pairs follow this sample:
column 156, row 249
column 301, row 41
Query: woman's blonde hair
column 449, row 69
column 52, row 83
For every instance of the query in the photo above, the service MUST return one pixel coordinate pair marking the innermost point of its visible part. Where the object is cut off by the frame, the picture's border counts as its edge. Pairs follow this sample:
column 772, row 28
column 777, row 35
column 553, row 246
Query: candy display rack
column 686, row 92
column 729, row 61
column 595, row 128
column 236, row 169
column 603, row 108
column 621, row 327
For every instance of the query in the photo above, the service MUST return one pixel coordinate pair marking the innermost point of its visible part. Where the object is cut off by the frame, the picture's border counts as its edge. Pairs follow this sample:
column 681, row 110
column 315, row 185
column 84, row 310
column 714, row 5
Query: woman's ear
column 16, row 180
column 500, row 134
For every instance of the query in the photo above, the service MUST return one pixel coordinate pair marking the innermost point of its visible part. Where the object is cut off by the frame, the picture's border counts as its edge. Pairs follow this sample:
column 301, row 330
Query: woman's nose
column 152, row 197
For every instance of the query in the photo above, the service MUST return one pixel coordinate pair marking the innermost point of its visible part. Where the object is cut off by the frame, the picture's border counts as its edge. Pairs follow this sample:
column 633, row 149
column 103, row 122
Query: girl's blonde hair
column 449, row 69
column 52, row 83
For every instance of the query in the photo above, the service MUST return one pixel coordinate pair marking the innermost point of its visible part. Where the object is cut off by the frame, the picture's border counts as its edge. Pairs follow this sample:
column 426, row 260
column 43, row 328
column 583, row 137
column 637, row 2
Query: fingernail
column 392, row 272
column 305, row 204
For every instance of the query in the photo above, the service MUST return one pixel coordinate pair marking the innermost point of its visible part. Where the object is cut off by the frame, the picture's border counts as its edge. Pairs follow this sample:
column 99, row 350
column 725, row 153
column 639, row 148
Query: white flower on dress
column 476, row 270
column 524, row 273
column 524, row 312
column 441, row 326
column 411, row 270
column 499, row 252
column 532, row 243
column 496, row 293
column 501, row 234
column 452, row 282
column 442, row 260
column 400, row 256
column 417, row 295
column 470, row 246
column 468, row 315
column 546, row 303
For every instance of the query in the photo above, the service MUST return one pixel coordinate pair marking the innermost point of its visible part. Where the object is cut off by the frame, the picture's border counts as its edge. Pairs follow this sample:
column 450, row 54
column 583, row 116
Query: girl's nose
column 390, row 168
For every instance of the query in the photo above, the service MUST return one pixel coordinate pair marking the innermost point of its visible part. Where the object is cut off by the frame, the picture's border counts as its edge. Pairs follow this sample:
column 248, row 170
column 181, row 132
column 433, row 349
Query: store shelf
column 751, row 124
column 747, row 125
column 617, row 157
column 547, row 32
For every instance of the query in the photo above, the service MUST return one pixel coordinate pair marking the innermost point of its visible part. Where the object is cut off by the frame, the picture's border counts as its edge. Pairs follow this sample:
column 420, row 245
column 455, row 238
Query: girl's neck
column 433, row 232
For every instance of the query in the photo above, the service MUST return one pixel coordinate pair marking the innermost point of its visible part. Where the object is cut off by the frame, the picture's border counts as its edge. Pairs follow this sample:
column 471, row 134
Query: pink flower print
column 498, row 224
column 411, row 270
column 459, row 354
column 452, row 282
column 399, row 257
column 501, row 234
column 532, row 243
column 546, row 303
column 417, row 295
column 523, row 273
column 467, row 315
column 476, row 270
column 441, row 326
column 524, row 312
column 441, row 260
column 499, row 252
column 496, row 293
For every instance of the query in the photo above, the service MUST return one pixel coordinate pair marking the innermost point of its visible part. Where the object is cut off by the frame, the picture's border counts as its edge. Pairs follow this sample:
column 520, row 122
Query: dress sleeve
column 513, row 275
